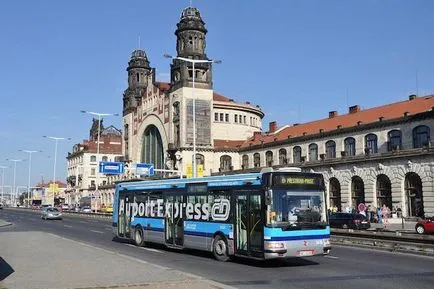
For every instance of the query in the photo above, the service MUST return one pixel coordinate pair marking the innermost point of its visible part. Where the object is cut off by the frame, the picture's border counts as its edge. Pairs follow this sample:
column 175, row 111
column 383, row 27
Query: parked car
column 349, row 221
column 86, row 210
column 425, row 226
column 51, row 213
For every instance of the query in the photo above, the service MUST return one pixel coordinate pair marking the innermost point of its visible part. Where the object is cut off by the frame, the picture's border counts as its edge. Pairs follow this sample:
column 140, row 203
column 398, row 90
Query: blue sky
column 296, row 59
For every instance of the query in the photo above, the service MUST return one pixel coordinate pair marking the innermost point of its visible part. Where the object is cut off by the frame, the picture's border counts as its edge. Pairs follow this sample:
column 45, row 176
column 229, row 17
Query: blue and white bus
column 271, row 214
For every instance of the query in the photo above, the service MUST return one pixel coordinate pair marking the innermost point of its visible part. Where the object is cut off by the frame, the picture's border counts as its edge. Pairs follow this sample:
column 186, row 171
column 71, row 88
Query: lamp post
column 56, row 140
column 15, row 161
column 193, row 62
column 30, row 152
column 3, row 181
column 99, row 115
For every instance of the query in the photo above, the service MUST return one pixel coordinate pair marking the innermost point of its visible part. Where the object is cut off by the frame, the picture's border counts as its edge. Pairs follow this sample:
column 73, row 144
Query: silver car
column 51, row 213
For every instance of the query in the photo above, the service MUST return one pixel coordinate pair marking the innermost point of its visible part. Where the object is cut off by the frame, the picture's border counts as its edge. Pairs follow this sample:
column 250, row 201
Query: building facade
column 376, row 156
column 83, row 163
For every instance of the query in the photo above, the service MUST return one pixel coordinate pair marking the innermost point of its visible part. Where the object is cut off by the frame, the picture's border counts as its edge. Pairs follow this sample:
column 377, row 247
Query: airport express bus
column 272, row 214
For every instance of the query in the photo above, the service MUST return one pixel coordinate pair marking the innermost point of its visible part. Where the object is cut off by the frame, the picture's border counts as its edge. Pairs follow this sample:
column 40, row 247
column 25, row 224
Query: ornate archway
column 335, row 195
column 152, row 147
column 384, row 191
column 357, row 191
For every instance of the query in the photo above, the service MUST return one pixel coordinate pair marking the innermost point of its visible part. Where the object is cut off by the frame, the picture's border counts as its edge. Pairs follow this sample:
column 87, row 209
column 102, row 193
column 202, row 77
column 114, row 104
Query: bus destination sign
column 291, row 180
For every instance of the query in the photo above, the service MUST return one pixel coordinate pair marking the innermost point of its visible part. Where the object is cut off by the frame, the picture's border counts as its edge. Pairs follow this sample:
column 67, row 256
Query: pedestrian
column 368, row 213
column 379, row 215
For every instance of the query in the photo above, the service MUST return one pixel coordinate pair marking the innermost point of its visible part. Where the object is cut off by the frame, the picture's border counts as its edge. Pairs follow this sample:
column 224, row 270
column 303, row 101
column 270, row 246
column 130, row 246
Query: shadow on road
column 5, row 269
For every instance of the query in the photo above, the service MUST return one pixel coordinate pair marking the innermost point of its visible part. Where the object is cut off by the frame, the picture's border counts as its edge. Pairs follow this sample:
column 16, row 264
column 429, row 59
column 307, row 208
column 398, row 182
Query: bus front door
column 249, row 236
column 174, row 229
column 124, row 218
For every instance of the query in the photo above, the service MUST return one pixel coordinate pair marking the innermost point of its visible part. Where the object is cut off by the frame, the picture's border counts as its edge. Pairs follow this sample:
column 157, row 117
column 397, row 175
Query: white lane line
column 95, row 231
column 83, row 222
column 147, row 249
column 331, row 257
column 68, row 226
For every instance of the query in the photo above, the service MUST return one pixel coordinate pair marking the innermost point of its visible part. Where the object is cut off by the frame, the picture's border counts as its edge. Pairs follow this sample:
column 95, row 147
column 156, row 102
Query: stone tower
column 191, row 43
column 138, row 73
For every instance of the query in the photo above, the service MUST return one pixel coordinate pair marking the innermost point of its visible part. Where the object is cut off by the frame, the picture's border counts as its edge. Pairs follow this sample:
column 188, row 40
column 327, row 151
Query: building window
column 371, row 143
column 245, row 162
column 152, row 147
column 269, row 158
column 221, row 116
column 256, row 160
column 384, row 191
column 350, row 146
column 357, row 191
column 225, row 163
column 200, row 160
column 313, row 152
column 296, row 154
column 282, row 157
column 421, row 136
column 331, row 149
column 245, row 120
column 227, row 117
column 92, row 171
column 216, row 116
column 93, row 158
column 236, row 118
column 395, row 140
column 104, row 158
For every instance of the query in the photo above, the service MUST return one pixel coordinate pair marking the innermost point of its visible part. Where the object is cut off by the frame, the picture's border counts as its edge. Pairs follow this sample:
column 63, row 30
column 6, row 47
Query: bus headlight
column 275, row 245
column 326, row 242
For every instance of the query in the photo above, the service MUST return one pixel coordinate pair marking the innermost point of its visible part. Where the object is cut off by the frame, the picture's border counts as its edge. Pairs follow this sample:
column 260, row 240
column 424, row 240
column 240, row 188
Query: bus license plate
column 306, row 253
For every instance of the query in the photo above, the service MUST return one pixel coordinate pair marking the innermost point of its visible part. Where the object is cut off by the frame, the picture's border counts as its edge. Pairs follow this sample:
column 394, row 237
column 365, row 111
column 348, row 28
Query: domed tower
column 191, row 43
column 138, row 74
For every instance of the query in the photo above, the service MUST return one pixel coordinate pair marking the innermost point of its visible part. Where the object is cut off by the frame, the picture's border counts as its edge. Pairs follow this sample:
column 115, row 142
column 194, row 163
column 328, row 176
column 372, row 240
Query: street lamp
column 30, row 152
column 99, row 115
column 193, row 62
column 15, row 161
column 56, row 139
column 3, row 181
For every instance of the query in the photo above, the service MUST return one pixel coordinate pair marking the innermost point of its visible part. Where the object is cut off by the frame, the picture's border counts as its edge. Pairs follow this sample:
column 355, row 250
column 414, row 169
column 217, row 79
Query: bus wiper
column 302, row 226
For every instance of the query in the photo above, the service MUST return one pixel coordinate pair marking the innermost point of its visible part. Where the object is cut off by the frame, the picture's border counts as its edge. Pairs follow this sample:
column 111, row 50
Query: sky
column 296, row 59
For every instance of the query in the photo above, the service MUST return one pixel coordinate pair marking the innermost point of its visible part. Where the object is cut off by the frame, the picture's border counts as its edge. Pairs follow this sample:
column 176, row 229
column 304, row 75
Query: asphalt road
column 343, row 268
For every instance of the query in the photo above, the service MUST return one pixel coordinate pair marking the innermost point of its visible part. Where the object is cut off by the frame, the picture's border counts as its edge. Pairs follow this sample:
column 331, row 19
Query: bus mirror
column 268, row 198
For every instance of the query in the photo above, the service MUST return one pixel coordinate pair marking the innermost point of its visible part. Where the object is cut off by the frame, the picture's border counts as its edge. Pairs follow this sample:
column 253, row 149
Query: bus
column 275, row 213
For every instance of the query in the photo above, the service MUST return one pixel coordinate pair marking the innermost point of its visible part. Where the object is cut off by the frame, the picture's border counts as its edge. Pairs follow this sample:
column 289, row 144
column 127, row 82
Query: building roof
column 227, row 144
column 354, row 117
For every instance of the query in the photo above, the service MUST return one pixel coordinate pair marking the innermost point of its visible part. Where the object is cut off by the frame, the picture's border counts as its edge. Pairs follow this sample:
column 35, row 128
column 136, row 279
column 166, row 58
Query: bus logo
column 220, row 210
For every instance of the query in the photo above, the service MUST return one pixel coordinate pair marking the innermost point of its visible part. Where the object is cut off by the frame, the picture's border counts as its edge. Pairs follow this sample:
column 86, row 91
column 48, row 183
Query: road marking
column 147, row 249
column 108, row 229
column 83, row 222
column 331, row 257
column 68, row 226
column 95, row 231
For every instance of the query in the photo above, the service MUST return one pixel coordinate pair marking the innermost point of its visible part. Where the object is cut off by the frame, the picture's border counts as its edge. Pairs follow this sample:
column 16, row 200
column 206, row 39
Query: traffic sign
column 111, row 168
column 144, row 169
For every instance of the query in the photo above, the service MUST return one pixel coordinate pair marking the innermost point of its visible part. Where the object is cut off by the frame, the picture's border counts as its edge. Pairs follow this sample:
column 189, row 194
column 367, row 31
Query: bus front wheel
column 220, row 249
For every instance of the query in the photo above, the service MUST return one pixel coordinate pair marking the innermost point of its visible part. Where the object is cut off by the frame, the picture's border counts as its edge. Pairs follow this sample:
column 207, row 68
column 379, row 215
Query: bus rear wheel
column 220, row 249
column 138, row 237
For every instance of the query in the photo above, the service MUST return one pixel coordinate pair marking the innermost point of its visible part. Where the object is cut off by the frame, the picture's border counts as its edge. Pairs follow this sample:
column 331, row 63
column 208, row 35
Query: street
column 343, row 268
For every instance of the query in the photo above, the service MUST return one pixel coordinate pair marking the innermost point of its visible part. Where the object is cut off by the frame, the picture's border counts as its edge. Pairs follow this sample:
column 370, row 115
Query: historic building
column 158, row 117
column 376, row 156
column 82, row 162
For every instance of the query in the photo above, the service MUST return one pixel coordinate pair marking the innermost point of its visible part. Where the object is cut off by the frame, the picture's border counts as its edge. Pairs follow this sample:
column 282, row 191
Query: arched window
column 282, row 157
column 269, row 158
column 384, row 191
column 414, row 195
column 371, row 143
column 421, row 136
column 138, row 77
column 335, row 195
column 395, row 140
column 200, row 160
column 152, row 147
column 313, row 152
column 331, row 149
column 93, row 158
column 256, row 160
column 104, row 158
column 245, row 162
column 225, row 163
column 357, row 191
column 350, row 146
column 296, row 154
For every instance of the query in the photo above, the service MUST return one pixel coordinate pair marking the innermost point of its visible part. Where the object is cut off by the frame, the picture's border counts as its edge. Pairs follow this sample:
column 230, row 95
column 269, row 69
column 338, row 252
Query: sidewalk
column 395, row 225
column 47, row 261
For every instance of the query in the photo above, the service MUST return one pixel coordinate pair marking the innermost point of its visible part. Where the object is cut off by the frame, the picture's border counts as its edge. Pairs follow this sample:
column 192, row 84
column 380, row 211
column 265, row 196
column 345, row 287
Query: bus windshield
column 296, row 210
